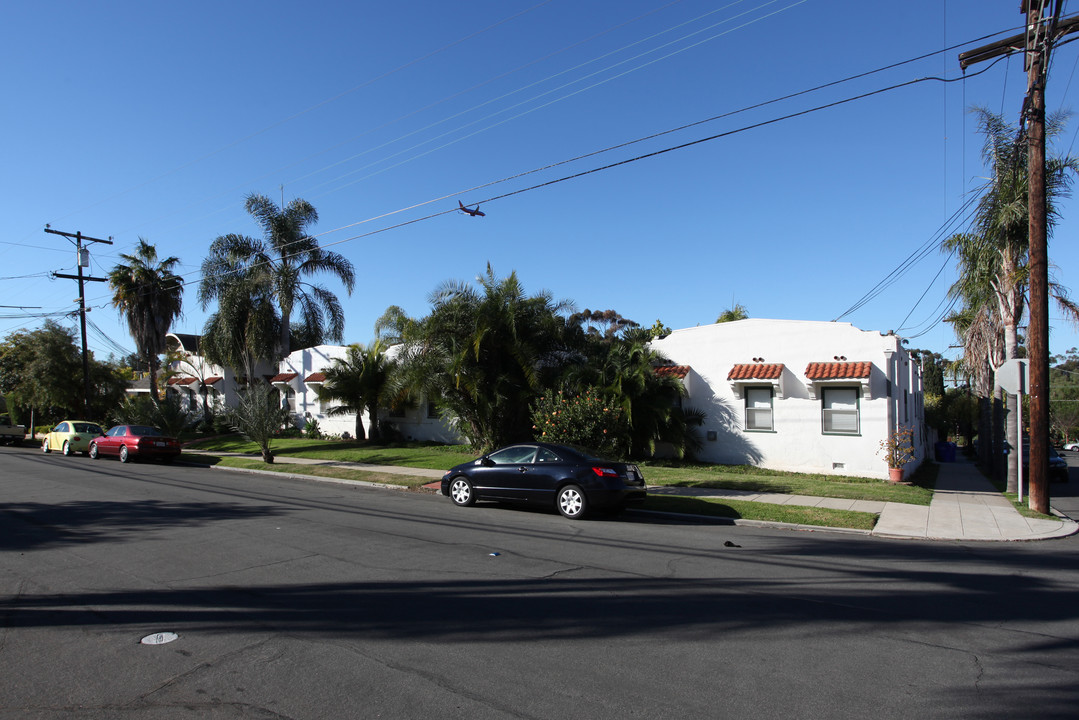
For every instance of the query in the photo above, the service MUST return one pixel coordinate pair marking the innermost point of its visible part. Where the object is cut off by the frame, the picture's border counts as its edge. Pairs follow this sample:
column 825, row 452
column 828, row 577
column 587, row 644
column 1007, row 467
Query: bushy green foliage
column 312, row 430
column 259, row 416
column 586, row 420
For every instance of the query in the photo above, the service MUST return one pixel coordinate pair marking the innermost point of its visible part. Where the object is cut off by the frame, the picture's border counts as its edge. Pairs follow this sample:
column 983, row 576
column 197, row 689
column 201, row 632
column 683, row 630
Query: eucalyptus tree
column 485, row 354
column 149, row 295
column 277, row 267
column 359, row 382
column 993, row 258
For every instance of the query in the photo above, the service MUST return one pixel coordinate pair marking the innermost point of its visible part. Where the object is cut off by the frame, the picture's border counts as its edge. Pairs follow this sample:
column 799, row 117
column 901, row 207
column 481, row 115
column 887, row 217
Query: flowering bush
column 898, row 447
column 586, row 420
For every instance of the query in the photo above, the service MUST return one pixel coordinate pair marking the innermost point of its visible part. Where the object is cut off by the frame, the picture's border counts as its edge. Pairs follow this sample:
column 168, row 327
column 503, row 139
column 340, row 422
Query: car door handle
column 522, row 468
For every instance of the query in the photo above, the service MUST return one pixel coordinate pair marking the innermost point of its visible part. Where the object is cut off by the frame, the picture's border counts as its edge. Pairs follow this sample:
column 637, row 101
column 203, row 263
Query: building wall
column 889, row 398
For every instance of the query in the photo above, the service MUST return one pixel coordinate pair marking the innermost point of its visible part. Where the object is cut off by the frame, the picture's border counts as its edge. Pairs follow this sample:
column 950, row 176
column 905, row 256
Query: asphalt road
column 296, row 599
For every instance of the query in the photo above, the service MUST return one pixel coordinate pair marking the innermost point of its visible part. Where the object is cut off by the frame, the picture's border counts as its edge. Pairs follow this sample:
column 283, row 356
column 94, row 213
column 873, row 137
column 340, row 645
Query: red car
column 131, row 442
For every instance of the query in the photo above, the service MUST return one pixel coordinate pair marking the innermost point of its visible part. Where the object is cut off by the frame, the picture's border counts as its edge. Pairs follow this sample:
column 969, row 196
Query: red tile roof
column 283, row 377
column 838, row 370
column 756, row 371
column 678, row 371
column 211, row 380
column 315, row 378
column 181, row 380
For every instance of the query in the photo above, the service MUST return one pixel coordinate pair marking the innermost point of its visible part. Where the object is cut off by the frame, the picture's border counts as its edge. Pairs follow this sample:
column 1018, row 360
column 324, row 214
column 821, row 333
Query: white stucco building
column 799, row 396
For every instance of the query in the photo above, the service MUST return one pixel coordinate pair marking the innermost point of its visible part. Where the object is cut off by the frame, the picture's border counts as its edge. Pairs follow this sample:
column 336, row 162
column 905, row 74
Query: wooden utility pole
column 1042, row 30
column 1038, row 38
column 82, row 260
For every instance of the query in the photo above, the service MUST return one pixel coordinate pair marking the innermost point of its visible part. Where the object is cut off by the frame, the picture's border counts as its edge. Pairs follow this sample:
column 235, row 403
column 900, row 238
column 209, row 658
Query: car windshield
column 142, row 430
column 88, row 428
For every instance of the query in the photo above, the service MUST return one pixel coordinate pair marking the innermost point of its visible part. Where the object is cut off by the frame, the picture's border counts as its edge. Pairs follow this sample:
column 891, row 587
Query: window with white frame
column 759, row 408
column 840, row 410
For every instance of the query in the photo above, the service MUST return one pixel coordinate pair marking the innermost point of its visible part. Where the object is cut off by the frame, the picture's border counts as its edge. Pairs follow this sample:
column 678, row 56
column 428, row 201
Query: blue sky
column 153, row 120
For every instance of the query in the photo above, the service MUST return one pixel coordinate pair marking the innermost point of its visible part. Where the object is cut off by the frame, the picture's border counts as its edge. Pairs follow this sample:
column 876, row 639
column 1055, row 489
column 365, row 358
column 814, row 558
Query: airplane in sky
column 470, row 211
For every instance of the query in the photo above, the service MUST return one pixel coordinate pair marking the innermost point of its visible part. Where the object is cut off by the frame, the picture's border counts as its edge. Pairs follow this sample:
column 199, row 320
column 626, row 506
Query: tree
column 359, row 382
column 276, row 266
column 149, row 295
column 736, row 312
column 484, row 354
column 602, row 323
column 993, row 256
column 246, row 325
column 259, row 416
column 42, row 369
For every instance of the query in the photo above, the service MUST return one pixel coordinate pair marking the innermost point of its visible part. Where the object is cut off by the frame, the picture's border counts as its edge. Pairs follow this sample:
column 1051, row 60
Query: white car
column 1073, row 446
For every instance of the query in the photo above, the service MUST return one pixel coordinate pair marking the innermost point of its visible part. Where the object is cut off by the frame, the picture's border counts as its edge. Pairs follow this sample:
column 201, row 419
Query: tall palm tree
column 359, row 382
column 149, row 296
column 993, row 257
column 278, row 265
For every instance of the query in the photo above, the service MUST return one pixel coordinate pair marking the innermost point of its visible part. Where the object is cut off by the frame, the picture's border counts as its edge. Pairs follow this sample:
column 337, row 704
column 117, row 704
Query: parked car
column 1072, row 446
column 10, row 433
column 1058, row 466
column 546, row 475
column 71, row 436
column 131, row 442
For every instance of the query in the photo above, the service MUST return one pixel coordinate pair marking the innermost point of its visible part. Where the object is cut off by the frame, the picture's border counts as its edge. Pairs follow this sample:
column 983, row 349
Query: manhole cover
column 159, row 638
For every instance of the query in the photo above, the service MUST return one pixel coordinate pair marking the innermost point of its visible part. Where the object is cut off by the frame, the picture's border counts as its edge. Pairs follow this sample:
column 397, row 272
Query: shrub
column 586, row 420
column 312, row 430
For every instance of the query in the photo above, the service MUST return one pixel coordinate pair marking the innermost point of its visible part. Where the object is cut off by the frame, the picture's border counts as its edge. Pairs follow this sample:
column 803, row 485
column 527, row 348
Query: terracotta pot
column 895, row 475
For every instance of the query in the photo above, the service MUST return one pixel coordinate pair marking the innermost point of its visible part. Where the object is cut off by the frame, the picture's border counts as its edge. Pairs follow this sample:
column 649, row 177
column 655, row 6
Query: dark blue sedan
column 546, row 475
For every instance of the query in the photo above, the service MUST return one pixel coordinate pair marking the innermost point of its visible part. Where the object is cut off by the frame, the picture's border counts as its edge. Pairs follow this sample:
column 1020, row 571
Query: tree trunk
column 267, row 455
column 1012, row 429
column 360, row 437
column 372, row 411
column 999, row 465
column 155, row 365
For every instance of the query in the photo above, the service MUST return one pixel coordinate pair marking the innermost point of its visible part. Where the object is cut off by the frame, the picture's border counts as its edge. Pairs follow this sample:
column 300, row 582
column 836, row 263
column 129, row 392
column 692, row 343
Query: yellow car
column 72, row 436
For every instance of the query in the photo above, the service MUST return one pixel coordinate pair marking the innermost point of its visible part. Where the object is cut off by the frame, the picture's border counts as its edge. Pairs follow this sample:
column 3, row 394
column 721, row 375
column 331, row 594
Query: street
column 299, row 599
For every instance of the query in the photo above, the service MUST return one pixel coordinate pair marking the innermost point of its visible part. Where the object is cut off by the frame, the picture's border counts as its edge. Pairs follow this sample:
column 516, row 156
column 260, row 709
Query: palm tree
column 359, row 382
column 485, row 355
column 737, row 312
column 246, row 326
column 277, row 265
column 150, row 296
column 993, row 257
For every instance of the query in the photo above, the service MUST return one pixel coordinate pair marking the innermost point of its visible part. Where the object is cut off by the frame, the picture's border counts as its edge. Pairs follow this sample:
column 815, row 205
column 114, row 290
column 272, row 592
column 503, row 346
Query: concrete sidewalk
column 965, row 505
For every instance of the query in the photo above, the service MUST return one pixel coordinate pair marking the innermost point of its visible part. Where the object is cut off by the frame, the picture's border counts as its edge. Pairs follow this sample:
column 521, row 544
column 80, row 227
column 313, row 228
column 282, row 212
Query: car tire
column 572, row 502
column 45, row 445
column 92, row 452
column 461, row 491
column 124, row 457
column 67, row 448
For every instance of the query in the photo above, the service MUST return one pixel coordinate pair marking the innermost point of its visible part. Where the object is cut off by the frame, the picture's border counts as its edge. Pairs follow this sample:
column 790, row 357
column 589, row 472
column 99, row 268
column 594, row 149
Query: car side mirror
column 486, row 461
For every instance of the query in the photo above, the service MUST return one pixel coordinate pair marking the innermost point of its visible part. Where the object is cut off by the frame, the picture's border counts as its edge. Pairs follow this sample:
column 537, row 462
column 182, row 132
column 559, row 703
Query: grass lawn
column 744, row 477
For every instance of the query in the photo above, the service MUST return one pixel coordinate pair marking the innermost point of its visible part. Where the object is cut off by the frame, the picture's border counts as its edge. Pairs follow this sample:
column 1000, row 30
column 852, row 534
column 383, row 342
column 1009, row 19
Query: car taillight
column 76, row 439
column 605, row 472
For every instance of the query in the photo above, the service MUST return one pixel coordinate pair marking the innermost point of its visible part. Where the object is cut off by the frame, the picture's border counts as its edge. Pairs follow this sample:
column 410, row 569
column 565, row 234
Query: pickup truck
column 9, row 433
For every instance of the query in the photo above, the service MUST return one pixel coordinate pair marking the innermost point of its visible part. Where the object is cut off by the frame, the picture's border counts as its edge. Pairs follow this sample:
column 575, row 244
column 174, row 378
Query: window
column 432, row 411
column 759, row 408
column 840, row 410
column 514, row 455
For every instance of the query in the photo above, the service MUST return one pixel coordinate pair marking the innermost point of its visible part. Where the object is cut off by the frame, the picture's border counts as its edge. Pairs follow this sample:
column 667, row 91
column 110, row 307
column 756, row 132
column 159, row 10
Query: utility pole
column 82, row 260
column 1042, row 30
column 1037, row 60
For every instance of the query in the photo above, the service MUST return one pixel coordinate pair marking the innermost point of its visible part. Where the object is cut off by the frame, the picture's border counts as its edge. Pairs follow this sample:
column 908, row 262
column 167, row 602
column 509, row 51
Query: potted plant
column 898, row 450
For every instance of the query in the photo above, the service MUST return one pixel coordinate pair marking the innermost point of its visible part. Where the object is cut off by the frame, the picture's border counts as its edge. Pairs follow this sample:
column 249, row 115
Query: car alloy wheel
column 45, row 445
column 67, row 448
column 461, row 492
column 124, row 457
column 93, row 451
column 572, row 502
